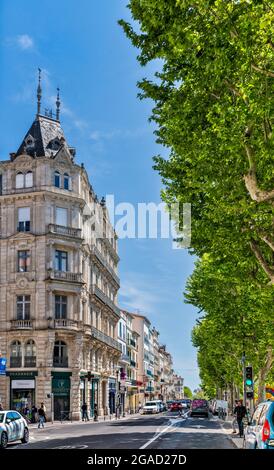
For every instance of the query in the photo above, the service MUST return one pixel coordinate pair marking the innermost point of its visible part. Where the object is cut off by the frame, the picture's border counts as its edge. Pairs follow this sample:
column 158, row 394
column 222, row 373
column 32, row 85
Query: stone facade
column 58, row 280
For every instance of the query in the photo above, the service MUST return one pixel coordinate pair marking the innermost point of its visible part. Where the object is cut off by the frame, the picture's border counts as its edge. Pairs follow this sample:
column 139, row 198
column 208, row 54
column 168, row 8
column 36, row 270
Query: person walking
column 41, row 417
column 1, row 407
column 234, row 421
column 240, row 411
column 95, row 412
column 33, row 413
column 85, row 412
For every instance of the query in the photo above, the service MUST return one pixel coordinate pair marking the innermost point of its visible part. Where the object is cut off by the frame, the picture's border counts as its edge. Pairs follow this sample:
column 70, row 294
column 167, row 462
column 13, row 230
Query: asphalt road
column 164, row 431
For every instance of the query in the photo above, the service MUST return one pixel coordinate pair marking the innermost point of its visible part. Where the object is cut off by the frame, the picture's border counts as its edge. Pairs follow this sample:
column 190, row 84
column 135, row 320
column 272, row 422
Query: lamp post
column 117, row 393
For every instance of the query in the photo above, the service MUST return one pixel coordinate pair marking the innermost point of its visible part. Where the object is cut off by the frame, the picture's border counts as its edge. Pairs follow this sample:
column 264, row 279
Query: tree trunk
column 263, row 374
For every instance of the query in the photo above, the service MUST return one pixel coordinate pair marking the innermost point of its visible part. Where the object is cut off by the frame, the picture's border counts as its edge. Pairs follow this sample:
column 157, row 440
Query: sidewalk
column 101, row 419
column 227, row 427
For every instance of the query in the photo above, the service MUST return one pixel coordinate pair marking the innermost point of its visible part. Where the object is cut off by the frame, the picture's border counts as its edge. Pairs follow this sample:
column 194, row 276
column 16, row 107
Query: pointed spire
column 58, row 102
column 39, row 93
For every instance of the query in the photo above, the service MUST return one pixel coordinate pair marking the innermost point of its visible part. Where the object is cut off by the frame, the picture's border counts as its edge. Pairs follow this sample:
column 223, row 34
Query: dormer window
column 54, row 144
column 24, row 180
column 57, row 179
column 29, row 141
column 66, row 181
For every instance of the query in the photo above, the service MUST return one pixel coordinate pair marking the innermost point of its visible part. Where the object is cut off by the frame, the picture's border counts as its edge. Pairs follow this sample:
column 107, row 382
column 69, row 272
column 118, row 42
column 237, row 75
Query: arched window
column 15, row 354
column 19, row 180
column 29, row 179
column 66, row 181
column 60, row 354
column 57, row 179
column 30, row 354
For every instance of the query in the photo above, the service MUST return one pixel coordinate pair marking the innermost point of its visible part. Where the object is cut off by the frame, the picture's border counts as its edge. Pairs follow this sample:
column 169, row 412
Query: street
column 165, row 431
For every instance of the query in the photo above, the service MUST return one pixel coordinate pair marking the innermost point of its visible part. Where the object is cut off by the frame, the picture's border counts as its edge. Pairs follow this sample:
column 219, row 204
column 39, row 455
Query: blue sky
column 80, row 48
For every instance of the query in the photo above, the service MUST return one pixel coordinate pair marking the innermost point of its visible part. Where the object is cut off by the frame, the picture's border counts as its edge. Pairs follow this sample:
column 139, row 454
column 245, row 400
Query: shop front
column 22, row 391
column 94, row 394
column 112, row 387
column 61, row 395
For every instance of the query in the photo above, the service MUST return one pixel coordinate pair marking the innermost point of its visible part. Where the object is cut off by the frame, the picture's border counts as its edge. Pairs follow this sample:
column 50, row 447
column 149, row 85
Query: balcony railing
column 104, row 262
column 125, row 358
column 21, row 324
column 30, row 361
column 16, row 361
column 66, row 231
column 104, row 298
column 105, row 338
column 65, row 323
column 65, row 276
column 60, row 362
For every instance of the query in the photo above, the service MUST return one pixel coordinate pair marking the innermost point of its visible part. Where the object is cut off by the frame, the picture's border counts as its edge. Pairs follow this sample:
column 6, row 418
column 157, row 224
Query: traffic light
column 249, row 376
column 249, row 382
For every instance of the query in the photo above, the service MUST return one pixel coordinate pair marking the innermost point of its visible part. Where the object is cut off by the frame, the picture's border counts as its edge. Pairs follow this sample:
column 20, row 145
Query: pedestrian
column 1, row 407
column 41, row 417
column 240, row 411
column 85, row 412
column 33, row 413
column 95, row 412
column 234, row 421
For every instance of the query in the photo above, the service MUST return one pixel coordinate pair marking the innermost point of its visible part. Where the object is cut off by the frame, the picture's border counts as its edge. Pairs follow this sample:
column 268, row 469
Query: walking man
column 240, row 412
column 41, row 417
column 95, row 412
column 85, row 412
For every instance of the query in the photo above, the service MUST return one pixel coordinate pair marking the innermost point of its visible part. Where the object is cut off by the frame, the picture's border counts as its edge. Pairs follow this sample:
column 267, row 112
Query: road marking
column 173, row 423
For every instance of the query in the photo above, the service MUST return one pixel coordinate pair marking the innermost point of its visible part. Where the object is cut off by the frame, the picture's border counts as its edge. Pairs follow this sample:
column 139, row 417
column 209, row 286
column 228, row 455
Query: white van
column 151, row 407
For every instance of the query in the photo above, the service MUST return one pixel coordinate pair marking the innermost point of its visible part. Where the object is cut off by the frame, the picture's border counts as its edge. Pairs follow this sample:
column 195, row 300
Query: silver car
column 13, row 427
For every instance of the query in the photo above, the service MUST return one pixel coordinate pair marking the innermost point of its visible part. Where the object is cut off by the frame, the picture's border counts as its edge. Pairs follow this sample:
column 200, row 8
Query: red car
column 176, row 406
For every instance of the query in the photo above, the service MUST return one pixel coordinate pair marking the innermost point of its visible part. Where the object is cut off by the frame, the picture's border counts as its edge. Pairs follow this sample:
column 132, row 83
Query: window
column 61, row 303
column 61, row 260
column 19, row 180
column 23, row 307
column 61, row 216
column 57, row 179
column 30, row 354
column 60, row 354
column 15, row 354
column 120, row 330
column 23, row 261
column 66, row 181
column 29, row 179
column 24, row 219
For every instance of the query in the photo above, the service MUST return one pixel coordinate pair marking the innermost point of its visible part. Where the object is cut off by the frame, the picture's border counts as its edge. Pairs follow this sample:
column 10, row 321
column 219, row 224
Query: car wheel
column 25, row 438
column 4, row 440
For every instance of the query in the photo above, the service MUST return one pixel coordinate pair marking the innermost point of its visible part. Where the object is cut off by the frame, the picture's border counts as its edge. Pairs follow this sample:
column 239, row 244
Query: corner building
column 58, row 279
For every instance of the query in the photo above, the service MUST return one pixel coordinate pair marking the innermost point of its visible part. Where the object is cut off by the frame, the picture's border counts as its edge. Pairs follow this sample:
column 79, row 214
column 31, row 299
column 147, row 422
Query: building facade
column 58, row 279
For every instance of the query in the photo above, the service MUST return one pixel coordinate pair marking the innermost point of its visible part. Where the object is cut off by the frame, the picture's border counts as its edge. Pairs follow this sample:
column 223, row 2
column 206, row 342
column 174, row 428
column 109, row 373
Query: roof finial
column 39, row 93
column 58, row 102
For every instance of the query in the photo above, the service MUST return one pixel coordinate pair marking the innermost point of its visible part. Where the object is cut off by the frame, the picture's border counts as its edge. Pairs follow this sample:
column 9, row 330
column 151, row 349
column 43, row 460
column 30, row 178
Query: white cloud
column 24, row 41
column 140, row 294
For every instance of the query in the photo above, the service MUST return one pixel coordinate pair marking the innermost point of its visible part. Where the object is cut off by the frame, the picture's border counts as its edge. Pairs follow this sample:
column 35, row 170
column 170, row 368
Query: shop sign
column 22, row 384
column 60, row 386
column 3, row 365
column 22, row 374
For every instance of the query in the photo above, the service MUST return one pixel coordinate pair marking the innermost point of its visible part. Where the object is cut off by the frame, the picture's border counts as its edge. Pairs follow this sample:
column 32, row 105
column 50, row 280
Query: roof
column 45, row 137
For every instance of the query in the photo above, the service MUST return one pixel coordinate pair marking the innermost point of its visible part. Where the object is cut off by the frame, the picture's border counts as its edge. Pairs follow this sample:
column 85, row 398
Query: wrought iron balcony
column 65, row 323
column 21, row 324
column 66, row 231
column 65, row 276
column 30, row 361
column 16, row 361
column 105, row 299
column 105, row 338
column 104, row 263
column 60, row 362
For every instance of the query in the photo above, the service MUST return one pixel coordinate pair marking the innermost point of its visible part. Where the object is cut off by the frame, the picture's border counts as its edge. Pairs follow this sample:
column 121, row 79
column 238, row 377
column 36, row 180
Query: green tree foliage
column 214, row 110
column 187, row 392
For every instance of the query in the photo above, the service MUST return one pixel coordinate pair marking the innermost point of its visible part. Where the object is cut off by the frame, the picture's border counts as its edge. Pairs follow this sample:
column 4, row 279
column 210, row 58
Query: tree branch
column 257, row 252
column 251, row 183
column 269, row 242
column 234, row 90
column 267, row 73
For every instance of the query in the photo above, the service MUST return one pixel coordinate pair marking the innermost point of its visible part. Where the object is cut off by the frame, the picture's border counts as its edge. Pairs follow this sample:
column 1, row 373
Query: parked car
column 199, row 407
column 169, row 403
column 161, row 405
column 259, row 433
column 176, row 406
column 151, row 407
column 183, row 403
column 13, row 427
